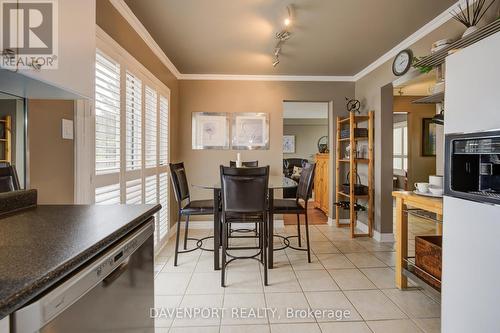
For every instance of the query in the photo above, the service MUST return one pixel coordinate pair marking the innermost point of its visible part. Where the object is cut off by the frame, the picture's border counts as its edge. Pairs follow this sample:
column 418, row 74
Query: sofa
column 288, row 165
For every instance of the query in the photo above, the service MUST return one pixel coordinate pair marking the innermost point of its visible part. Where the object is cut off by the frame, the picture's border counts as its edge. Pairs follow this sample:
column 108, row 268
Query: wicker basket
column 359, row 189
column 358, row 133
column 428, row 258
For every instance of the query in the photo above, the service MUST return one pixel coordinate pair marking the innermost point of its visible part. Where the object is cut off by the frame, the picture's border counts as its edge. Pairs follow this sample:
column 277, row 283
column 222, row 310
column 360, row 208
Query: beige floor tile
column 388, row 258
column 299, row 262
column 209, row 329
column 332, row 301
column 345, row 327
column 316, row 280
column 295, row 328
column 244, row 309
column 382, row 277
column 324, row 247
column 205, row 263
column 334, row 261
column 239, row 282
column 351, row 279
column 374, row 305
column 393, row 326
column 245, row 329
column 162, row 306
column 365, row 260
column 205, row 283
column 372, row 245
column 281, row 280
column 207, row 317
column 171, row 283
column 414, row 303
column 348, row 246
column 430, row 325
column 284, row 301
column 185, row 263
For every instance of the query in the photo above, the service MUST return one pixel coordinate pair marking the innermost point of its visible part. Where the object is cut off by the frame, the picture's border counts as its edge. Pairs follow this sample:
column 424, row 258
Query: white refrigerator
column 471, row 230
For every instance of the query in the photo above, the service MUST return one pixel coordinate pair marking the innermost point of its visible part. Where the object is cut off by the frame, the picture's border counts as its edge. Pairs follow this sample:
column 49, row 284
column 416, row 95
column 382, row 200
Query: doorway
column 306, row 138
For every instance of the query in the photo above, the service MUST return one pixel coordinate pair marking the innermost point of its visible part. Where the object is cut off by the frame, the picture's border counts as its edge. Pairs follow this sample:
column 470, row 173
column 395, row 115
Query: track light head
column 276, row 61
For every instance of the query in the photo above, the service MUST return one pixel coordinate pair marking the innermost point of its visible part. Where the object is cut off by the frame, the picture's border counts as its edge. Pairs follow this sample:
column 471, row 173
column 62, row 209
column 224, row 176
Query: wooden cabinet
column 321, row 182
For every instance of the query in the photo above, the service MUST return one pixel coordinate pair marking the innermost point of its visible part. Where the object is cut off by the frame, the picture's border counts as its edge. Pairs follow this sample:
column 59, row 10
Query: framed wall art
column 250, row 131
column 288, row 144
column 210, row 130
column 428, row 137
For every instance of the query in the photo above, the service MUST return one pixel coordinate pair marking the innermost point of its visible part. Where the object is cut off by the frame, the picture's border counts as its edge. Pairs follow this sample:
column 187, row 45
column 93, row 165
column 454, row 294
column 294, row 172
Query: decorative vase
column 469, row 30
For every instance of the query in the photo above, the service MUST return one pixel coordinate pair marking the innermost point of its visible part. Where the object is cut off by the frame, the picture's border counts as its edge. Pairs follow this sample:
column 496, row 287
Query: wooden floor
column 316, row 216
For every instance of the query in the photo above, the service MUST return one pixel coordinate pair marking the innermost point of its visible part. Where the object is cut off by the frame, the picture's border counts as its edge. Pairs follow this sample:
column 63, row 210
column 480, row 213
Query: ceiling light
column 287, row 22
column 283, row 35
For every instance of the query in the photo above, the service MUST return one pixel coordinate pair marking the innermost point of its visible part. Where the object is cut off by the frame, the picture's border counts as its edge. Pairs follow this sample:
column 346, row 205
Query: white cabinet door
column 4, row 325
column 76, row 40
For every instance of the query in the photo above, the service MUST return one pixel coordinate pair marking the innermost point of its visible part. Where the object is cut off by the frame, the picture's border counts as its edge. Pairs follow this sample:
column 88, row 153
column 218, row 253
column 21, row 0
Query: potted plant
column 471, row 14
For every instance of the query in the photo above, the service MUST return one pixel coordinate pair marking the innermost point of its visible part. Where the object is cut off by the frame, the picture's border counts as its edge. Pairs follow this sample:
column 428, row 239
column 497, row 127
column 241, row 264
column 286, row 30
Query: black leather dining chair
column 8, row 179
column 244, row 197
column 294, row 206
column 186, row 207
column 247, row 164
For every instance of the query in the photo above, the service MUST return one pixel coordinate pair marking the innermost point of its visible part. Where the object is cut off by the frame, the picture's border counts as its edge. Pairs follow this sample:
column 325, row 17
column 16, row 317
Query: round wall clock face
column 402, row 62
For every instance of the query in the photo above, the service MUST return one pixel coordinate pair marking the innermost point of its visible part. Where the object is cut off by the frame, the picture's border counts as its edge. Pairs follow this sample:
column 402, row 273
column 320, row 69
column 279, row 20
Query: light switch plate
column 67, row 129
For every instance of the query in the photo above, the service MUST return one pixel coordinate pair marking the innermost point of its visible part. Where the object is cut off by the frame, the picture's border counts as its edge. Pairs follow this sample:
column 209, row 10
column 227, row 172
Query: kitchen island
column 42, row 246
column 406, row 199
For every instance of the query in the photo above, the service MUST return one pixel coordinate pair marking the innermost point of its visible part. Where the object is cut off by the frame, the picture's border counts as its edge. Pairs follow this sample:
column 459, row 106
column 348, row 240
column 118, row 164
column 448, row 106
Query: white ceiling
column 330, row 37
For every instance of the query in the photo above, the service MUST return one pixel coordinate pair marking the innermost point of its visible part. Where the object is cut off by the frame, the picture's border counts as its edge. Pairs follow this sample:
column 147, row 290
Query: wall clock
column 402, row 62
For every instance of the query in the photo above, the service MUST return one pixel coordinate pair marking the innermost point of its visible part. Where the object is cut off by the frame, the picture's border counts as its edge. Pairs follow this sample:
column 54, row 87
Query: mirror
column 13, row 135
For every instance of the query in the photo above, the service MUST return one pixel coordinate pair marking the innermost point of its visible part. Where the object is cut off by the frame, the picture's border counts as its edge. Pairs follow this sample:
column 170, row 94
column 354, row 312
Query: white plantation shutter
column 108, row 195
column 163, row 215
column 163, row 131
column 134, row 192
column 107, row 116
column 134, row 123
column 132, row 128
column 151, row 128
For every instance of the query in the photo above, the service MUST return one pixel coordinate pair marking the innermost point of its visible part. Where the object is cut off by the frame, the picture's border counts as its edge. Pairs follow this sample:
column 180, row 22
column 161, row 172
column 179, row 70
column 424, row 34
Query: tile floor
column 356, row 276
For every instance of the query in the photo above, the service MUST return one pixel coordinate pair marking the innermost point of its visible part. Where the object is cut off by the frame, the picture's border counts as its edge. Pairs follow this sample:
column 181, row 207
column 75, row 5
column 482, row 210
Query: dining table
column 275, row 183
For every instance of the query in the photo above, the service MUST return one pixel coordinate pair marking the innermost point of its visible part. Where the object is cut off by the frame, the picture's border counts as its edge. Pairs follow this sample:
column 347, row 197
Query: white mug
column 436, row 181
column 422, row 187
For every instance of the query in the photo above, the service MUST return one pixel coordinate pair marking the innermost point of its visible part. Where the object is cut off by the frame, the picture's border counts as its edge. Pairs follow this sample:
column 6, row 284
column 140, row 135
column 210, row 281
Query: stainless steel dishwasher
column 114, row 293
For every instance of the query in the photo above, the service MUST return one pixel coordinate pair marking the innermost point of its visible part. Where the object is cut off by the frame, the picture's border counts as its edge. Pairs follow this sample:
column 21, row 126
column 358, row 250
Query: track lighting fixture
column 283, row 35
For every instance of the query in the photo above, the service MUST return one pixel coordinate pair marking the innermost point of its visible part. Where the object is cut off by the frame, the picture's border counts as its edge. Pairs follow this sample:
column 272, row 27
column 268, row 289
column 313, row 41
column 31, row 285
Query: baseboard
column 379, row 237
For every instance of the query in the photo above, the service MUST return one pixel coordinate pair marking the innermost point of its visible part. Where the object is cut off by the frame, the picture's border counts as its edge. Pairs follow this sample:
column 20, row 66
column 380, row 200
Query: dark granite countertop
column 42, row 245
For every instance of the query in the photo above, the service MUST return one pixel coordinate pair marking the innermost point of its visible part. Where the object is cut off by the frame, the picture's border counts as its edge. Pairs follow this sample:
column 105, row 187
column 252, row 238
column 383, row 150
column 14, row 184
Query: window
column 400, row 152
column 131, row 135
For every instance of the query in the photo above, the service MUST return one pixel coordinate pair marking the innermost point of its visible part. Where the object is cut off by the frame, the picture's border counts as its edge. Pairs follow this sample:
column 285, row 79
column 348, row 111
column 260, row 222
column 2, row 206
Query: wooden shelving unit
column 352, row 121
column 6, row 140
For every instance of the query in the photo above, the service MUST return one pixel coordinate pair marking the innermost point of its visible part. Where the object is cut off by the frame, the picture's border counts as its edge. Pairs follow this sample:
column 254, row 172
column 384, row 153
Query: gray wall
column 307, row 132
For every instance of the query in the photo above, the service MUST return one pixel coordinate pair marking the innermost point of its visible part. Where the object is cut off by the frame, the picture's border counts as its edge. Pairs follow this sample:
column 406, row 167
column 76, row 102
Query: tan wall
column 111, row 21
column 246, row 96
column 51, row 158
column 419, row 167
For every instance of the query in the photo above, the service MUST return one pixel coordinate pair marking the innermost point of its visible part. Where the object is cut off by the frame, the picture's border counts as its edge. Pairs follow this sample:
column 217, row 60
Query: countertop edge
column 28, row 293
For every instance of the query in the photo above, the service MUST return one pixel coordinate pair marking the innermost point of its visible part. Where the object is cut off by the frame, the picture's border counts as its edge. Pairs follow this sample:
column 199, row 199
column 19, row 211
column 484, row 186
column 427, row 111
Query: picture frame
column 288, row 144
column 210, row 130
column 428, row 137
column 250, row 131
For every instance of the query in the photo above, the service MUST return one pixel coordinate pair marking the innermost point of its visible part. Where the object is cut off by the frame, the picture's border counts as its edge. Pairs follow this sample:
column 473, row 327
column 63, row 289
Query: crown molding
column 234, row 77
column 136, row 24
column 410, row 40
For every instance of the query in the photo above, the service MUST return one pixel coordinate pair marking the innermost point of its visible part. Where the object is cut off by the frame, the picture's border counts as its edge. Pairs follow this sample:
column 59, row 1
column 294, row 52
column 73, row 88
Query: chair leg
column 307, row 239
column 177, row 239
column 264, row 248
column 186, row 230
column 224, row 248
column 298, row 230
column 255, row 228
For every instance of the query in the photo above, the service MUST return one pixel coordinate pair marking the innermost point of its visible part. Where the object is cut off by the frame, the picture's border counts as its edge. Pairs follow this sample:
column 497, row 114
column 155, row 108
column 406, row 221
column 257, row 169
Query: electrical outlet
column 67, row 129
